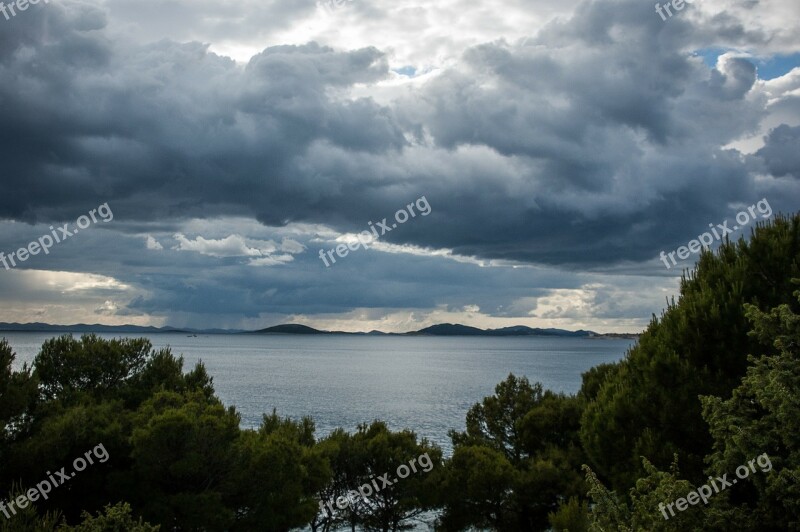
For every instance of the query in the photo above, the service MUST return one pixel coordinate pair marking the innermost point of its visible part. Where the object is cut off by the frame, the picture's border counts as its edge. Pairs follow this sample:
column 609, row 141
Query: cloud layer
column 561, row 148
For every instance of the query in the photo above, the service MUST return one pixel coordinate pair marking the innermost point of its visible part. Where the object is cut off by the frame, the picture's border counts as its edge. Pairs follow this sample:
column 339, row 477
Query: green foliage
column 177, row 454
column 67, row 367
column 644, row 514
column 760, row 419
column 592, row 380
column 649, row 405
column 164, row 372
column 572, row 516
column 26, row 519
column 372, row 452
column 478, row 489
column 136, row 402
column 115, row 518
column 67, row 433
column 495, row 422
column 347, row 467
column 756, row 428
column 302, row 432
column 528, row 439
column 553, row 421
column 181, row 448
column 18, row 391
column 71, row 370
column 276, row 473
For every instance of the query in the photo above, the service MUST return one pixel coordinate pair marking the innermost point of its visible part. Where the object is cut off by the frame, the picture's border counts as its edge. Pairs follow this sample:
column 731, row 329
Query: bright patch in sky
column 409, row 71
column 777, row 66
column 768, row 67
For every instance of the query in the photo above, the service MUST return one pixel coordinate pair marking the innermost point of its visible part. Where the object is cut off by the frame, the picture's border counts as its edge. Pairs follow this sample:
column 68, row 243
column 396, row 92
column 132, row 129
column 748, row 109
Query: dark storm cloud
column 169, row 130
column 596, row 142
column 782, row 151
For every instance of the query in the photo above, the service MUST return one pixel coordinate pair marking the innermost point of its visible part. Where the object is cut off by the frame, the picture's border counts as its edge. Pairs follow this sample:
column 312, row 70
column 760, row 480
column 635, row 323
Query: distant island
column 454, row 329
column 448, row 329
column 290, row 328
column 443, row 329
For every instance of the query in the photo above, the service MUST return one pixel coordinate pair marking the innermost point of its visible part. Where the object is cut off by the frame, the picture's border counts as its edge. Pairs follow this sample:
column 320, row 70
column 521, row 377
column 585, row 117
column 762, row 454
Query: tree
column 276, row 473
column 367, row 488
column 756, row 428
column 117, row 518
column 495, row 422
column 649, row 406
column 390, row 507
column 68, row 433
column 27, row 519
column 523, row 441
column 573, row 516
column 611, row 512
column 182, row 454
column 83, row 393
column 18, row 390
column 478, row 490
column 164, row 372
column 348, row 468
column 174, row 451
column 760, row 419
column 67, row 367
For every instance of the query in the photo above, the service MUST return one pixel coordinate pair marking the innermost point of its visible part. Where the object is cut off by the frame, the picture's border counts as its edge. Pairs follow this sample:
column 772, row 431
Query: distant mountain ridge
column 454, row 329
column 450, row 329
column 442, row 329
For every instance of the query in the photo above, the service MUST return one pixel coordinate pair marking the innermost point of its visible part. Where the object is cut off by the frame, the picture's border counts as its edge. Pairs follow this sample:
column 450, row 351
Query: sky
column 541, row 156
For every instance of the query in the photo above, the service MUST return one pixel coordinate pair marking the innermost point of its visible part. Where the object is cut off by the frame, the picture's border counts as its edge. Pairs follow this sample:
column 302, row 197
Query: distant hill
column 522, row 330
column 449, row 329
column 290, row 328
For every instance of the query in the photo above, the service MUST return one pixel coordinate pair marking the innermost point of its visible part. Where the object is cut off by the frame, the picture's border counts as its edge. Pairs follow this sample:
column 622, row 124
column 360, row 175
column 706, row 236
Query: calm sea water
column 423, row 383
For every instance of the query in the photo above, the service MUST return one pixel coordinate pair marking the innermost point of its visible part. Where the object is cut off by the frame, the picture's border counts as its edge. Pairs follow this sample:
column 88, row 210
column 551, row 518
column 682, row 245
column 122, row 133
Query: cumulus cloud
column 292, row 246
column 781, row 152
column 230, row 246
column 107, row 308
column 153, row 244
